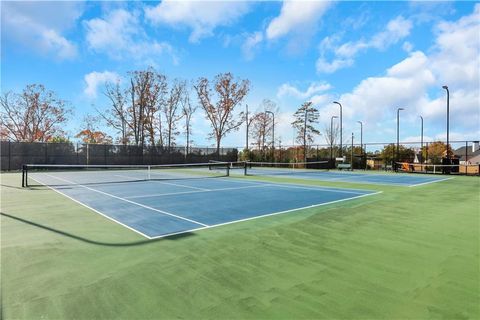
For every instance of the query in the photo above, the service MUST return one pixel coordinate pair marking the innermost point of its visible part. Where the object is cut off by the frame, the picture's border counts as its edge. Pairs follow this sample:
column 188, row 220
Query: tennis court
column 182, row 200
column 298, row 172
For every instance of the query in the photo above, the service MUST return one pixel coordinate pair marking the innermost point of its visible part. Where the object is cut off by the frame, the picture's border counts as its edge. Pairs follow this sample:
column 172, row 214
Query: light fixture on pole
column 331, row 137
column 341, row 126
column 421, row 140
column 448, row 119
column 398, row 136
column 248, row 125
column 361, row 139
column 361, row 135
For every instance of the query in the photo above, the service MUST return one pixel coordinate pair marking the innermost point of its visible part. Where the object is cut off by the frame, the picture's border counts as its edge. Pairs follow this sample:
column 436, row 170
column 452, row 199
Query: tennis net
column 281, row 168
column 466, row 169
column 61, row 175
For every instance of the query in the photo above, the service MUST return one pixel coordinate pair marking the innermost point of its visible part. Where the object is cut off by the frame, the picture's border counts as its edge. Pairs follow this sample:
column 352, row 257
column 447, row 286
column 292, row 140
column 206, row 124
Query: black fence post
column 466, row 157
column 9, row 155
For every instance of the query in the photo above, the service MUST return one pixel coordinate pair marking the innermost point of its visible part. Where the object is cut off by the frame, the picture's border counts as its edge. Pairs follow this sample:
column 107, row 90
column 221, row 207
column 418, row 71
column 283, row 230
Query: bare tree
column 305, row 118
column 34, row 115
column 147, row 88
column 332, row 133
column 134, row 110
column 116, row 116
column 229, row 94
column 173, row 112
column 188, row 110
column 90, row 133
column 262, row 124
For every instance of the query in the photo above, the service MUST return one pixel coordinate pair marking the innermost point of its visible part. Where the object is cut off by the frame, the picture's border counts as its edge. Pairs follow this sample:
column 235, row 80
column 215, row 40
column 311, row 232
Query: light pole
column 273, row 132
column 361, row 135
column 398, row 137
column 331, row 137
column 341, row 124
column 421, row 140
column 361, row 138
column 351, row 156
column 246, row 135
column 448, row 118
column 305, row 137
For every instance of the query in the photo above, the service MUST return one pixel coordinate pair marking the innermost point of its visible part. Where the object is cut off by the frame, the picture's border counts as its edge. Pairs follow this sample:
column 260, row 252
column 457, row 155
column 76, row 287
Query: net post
column 148, row 172
column 228, row 171
column 245, row 168
column 24, row 176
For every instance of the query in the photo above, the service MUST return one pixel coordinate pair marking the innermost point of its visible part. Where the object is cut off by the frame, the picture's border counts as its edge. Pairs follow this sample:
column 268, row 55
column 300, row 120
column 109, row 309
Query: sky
column 373, row 57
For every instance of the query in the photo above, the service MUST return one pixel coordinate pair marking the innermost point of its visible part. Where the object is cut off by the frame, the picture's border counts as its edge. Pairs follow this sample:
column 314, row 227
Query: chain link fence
column 15, row 154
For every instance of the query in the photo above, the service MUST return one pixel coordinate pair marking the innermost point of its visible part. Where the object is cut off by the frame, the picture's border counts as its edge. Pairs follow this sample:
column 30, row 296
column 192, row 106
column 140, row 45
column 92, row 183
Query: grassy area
column 404, row 253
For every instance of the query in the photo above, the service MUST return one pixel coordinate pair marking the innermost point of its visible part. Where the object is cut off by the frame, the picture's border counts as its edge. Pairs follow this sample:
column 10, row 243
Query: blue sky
column 371, row 56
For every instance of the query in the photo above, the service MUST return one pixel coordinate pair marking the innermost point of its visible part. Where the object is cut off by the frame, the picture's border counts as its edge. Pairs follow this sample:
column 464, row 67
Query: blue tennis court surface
column 398, row 179
column 158, row 208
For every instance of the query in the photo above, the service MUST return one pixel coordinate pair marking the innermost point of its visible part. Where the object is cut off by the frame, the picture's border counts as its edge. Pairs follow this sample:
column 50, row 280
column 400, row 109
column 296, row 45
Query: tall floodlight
column 246, row 134
column 421, row 139
column 361, row 139
column 341, row 126
column 361, row 135
column 398, row 135
column 331, row 137
column 448, row 119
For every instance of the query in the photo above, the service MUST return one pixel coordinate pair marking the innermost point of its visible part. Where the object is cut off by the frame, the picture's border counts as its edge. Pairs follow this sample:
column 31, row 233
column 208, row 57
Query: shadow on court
column 99, row 243
column 11, row 187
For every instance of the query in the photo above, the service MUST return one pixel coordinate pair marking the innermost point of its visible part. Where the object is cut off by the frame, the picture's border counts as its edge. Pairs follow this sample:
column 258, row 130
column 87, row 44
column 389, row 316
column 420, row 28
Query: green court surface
column 403, row 253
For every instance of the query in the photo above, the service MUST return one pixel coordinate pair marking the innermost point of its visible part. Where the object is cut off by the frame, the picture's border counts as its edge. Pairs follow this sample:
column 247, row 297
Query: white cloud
column 314, row 88
column 120, row 35
column 94, row 79
column 295, row 16
column 33, row 25
column 396, row 30
column 415, row 83
column 457, row 60
column 324, row 66
column 251, row 42
column 202, row 17
column 403, row 85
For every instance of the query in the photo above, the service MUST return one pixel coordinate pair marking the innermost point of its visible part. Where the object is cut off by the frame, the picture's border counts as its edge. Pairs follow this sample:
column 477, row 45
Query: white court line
column 266, row 215
column 356, row 175
column 168, row 183
column 313, row 188
column 88, row 207
column 291, row 185
column 424, row 183
column 199, row 191
column 129, row 201
column 203, row 225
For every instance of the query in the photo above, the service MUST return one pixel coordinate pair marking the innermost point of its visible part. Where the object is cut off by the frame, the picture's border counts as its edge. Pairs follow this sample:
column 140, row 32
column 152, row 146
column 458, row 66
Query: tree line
column 151, row 109
column 148, row 109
